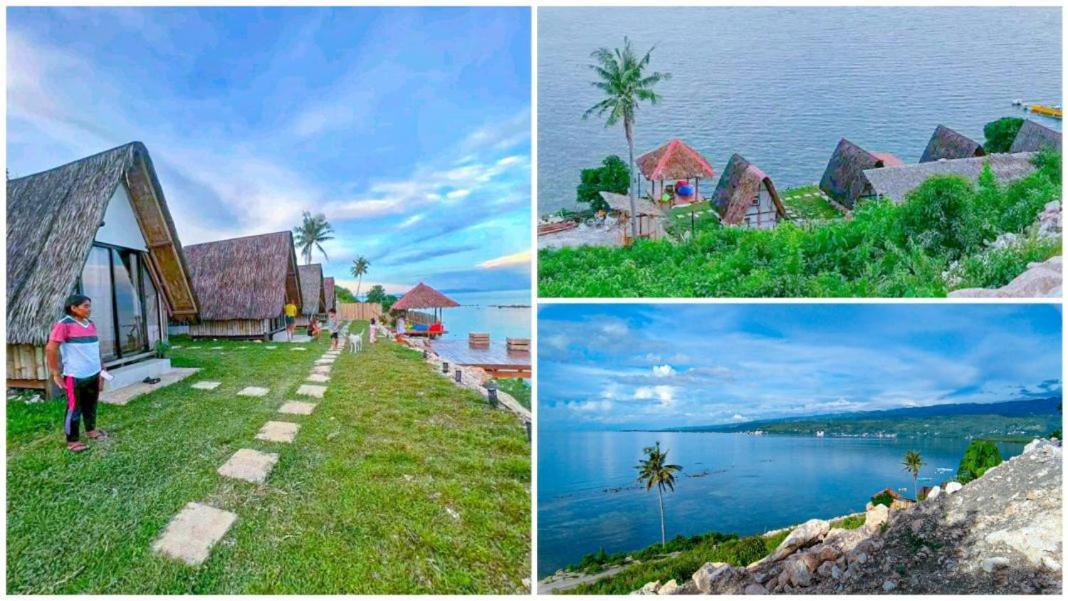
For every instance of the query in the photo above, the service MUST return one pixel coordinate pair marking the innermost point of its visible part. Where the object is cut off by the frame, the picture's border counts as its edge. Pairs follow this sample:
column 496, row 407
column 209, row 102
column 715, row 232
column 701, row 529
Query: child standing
column 74, row 337
column 331, row 326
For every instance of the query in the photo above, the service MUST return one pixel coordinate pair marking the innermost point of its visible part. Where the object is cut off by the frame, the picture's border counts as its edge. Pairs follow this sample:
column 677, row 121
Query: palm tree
column 655, row 471
column 359, row 267
column 621, row 76
column 913, row 462
column 311, row 233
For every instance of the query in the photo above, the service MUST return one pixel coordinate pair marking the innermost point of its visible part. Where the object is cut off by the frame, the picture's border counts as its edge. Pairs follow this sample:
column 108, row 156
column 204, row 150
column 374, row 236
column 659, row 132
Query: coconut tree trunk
column 660, row 497
column 628, row 129
column 916, row 485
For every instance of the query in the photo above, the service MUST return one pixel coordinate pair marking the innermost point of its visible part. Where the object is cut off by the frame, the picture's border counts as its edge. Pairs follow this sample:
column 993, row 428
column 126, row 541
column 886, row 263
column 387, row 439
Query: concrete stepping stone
column 249, row 465
column 324, row 361
column 206, row 385
column 253, row 391
column 216, row 348
column 176, row 346
column 318, row 378
column 312, row 390
column 321, row 369
column 298, row 348
column 278, row 432
column 297, row 408
column 270, row 348
column 190, row 535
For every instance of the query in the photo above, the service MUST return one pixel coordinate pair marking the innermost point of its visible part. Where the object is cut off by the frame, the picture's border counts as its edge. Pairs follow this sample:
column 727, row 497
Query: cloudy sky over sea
column 647, row 366
column 415, row 145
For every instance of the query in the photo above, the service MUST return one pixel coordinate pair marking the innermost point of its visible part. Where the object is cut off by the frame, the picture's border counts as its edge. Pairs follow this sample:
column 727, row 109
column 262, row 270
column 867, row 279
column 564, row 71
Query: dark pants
column 82, row 394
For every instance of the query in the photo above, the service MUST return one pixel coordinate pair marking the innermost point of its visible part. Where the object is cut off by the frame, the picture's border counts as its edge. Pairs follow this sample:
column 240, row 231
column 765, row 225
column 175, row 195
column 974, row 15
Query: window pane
column 96, row 284
column 128, row 303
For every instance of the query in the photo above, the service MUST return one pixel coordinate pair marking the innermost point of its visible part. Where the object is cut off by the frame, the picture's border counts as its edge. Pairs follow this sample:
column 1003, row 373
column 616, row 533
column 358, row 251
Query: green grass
column 806, row 206
column 850, row 522
column 738, row 552
column 885, row 250
column 357, row 504
column 518, row 388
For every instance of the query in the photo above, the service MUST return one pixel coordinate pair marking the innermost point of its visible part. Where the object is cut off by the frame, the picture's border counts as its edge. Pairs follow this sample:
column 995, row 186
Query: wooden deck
column 494, row 359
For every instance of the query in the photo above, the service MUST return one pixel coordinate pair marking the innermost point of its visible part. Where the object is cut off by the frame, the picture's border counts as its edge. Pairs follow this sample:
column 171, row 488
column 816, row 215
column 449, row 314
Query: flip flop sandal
column 77, row 447
column 100, row 435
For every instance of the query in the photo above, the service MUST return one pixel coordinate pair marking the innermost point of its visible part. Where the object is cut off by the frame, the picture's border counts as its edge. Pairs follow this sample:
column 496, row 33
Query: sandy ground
column 583, row 235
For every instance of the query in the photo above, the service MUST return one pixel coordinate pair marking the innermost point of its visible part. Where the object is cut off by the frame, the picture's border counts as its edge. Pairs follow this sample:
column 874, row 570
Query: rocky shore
column 999, row 534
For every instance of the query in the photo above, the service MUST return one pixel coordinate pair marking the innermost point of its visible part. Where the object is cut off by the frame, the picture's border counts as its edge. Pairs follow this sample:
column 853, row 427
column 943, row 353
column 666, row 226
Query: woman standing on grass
column 291, row 320
column 82, row 376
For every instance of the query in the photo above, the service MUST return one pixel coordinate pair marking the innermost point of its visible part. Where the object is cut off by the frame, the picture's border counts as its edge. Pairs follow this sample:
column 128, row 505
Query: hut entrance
column 116, row 280
column 649, row 225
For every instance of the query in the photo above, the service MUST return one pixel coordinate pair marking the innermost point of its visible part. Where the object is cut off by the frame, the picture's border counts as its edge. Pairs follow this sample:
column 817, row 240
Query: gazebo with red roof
column 424, row 297
column 675, row 160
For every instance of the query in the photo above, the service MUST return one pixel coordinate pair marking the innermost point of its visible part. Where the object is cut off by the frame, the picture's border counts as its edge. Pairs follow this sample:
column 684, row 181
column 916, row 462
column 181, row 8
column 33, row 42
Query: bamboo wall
column 358, row 311
column 236, row 328
column 26, row 364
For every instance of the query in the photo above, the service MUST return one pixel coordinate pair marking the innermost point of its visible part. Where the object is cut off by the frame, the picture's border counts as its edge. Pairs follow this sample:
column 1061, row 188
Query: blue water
column 477, row 313
column 782, row 85
column 588, row 497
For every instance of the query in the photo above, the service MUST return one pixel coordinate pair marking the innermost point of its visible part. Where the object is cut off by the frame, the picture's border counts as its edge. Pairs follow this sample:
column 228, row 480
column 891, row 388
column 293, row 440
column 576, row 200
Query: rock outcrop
column 999, row 534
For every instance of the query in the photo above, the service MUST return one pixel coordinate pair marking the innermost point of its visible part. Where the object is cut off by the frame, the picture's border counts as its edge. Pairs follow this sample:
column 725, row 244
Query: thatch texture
column 674, row 160
column 52, row 220
column 739, row 185
column 245, row 278
column 844, row 180
column 1033, row 137
column 424, row 297
column 948, row 144
column 896, row 182
column 328, row 292
column 621, row 203
column 312, row 292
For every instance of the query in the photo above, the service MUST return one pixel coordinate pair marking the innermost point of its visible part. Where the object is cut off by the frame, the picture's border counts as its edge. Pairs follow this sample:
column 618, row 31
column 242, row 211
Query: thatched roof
column 844, row 180
column 245, row 278
column 312, row 293
column 621, row 203
column 52, row 220
column 948, row 144
column 424, row 297
column 1033, row 137
column 674, row 160
column 896, row 182
column 328, row 291
column 738, row 186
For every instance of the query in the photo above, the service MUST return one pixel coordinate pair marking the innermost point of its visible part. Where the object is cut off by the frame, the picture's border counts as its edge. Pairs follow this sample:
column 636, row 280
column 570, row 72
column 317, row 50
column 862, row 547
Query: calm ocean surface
column 477, row 315
column 781, row 85
column 588, row 496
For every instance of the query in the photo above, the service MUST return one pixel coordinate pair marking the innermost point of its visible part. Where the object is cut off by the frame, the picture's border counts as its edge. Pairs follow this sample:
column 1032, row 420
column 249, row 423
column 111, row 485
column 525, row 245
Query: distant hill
column 1007, row 420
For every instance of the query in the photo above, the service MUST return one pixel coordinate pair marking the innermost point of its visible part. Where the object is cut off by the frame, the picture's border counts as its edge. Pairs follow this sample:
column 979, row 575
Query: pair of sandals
column 80, row 447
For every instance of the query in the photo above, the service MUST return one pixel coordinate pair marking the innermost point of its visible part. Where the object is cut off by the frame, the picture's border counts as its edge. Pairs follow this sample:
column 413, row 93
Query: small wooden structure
column 844, row 179
column 312, row 293
column 649, row 215
column 948, row 144
column 99, row 226
column 675, row 160
column 746, row 196
column 423, row 297
column 494, row 359
column 244, row 284
column 480, row 339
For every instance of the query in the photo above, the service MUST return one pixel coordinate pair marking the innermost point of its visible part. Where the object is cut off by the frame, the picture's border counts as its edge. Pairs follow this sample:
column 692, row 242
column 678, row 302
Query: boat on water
column 1055, row 111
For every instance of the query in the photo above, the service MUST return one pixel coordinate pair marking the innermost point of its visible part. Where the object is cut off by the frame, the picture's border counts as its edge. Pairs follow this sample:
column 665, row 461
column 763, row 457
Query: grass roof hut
column 312, row 293
column 674, row 160
column 331, row 296
column 99, row 226
column 844, row 179
column 746, row 196
column 1033, row 137
column 423, row 297
column 649, row 216
column 948, row 144
column 895, row 183
column 243, row 285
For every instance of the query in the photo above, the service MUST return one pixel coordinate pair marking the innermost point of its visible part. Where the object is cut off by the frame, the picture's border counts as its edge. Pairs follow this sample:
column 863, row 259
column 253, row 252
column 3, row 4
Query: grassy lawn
column 399, row 482
column 807, row 202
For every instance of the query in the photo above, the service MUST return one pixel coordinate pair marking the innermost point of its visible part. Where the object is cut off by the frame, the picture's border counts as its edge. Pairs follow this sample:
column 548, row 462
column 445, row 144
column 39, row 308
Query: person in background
column 291, row 320
column 331, row 326
column 313, row 328
column 82, row 376
column 372, row 331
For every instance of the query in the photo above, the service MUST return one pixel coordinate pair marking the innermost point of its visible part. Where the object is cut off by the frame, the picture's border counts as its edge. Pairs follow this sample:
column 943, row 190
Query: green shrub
column 980, row 456
column 936, row 216
column 883, row 498
column 1000, row 134
column 612, row 176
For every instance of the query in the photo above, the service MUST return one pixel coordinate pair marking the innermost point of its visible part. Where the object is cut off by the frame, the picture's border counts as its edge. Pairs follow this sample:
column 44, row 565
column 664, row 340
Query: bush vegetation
column 883, row 498
column 1000, row 134
column 980, row 456
column 612, row 176
column 885, row 250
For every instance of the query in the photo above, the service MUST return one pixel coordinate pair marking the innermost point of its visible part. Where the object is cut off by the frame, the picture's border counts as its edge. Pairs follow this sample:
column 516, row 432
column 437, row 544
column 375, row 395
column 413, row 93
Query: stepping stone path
column 297, row 408
column 216, row 348
column 318, row 378
column 298, row 348
column 249, row 465
column 321, row 369
column 278, row 431
column 253, row 391
column 177, row 346
column 270, row 348
column 312, row 390
column 206, row 385
column 190, row 534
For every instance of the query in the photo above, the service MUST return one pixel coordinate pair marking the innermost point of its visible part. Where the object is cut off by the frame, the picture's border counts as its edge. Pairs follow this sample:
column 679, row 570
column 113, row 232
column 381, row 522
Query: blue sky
column 648, row 366
column 408, row 128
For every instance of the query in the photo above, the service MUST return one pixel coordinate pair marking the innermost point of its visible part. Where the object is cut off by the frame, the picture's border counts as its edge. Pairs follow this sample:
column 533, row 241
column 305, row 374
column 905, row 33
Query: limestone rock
column 876, row 517
column 670, row 588
column 805, row 535
column 933, row 493
column 650, row 588
column 712, row 575
column 952, row 487
column 755, row 589
column 994, row 563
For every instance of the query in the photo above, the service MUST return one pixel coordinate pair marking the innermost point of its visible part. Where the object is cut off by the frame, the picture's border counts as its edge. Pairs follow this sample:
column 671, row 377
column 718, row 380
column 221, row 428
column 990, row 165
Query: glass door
column 129, row 305
column 96, row 284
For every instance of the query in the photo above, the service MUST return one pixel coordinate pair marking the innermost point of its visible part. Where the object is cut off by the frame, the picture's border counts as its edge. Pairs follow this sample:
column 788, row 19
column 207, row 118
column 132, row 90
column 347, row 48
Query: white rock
column 934, row 492
column 993, row 563
column 670, row 588
column 806, row 534
column 952, row 487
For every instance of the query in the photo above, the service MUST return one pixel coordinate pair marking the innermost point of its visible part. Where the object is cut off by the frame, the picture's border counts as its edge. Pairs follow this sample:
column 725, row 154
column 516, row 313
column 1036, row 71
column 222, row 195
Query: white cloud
column 662, row 371
column 519, row 258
